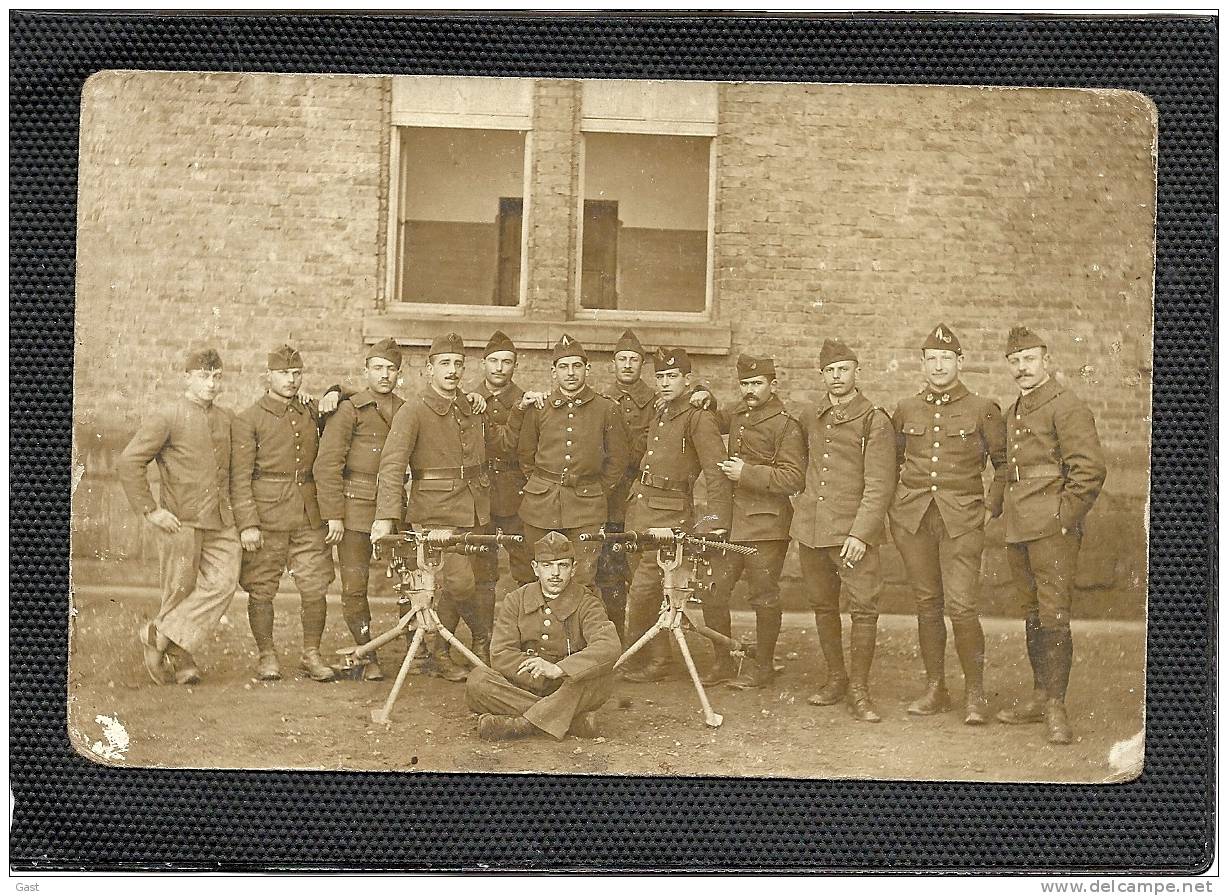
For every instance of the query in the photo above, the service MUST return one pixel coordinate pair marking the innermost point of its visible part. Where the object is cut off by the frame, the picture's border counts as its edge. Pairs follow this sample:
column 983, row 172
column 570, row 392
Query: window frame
column 396, row 201
column 708, row 313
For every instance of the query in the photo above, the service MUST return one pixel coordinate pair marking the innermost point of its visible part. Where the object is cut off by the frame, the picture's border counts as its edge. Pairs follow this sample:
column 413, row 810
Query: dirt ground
column 230, row 720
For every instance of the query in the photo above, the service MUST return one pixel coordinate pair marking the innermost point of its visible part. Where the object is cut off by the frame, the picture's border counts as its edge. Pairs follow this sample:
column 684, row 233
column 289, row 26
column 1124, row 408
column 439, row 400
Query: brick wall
column 249, row 209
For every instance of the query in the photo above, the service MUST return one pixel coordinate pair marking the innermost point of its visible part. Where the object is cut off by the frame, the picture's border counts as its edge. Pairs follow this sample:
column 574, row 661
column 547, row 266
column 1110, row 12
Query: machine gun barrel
column 645, row 541
column 465, row 541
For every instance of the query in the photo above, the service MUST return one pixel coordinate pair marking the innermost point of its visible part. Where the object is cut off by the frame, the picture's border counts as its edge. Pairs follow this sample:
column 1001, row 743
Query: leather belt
column 472, row 471
column 504, row 466
column 356, row 476
column 299, row 478
column 664, row 483
column 568, row 479
column 1039, row 471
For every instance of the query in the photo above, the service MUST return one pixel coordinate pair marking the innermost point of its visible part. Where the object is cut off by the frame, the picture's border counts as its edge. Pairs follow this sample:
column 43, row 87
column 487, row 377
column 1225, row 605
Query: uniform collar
column 560, row 607
column 954, row 392
column 278, row 408
column 850, row 410
column 765, row 411
column 510, row 395
column 363, row 398
column 679, row 405
column 640, row 392
column 1042, row 394
column 441, row 405
column 557, row 399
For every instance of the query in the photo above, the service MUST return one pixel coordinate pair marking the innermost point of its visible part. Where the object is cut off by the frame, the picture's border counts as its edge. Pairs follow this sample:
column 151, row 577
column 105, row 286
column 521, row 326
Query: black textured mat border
column 71, row 813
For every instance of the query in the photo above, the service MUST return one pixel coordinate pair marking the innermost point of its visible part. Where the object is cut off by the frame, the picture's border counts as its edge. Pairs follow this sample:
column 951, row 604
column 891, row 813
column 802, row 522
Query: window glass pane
column 645, row 222
column 460, row 215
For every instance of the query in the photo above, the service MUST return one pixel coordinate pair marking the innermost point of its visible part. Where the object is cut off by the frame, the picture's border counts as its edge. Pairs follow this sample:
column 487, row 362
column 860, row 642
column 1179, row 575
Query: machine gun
column 417, row 558
column 680, row 557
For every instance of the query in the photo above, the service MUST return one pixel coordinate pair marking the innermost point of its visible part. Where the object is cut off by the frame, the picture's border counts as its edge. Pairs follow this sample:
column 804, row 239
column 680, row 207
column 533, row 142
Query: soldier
column 683, row 441
column 767, row 461
column 944, row 436
column 275, row 445
column 573, row 451
column 345, row 474
column 634, row 398
column 198, row 545
column 838, row 521
column 1055, row 475
column 437, row 448
column 504, row 416
column 553, row 652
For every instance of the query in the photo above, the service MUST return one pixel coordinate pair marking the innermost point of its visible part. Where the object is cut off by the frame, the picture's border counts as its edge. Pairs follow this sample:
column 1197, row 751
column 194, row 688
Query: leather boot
column 723, row 668
column 1033, row 710
column 656, row 666
column 1056, row 722
column 1059, row 654
column 481, row 647
column 260, row 618
column 932, row 638
column 585, row 725
column 314, row 612
column 492, row 727
column 828, row 625
column 767, row 630
column 970, row 646
column 1029, row 712
column 183, row 663
column 446, row 667
column 862, row 639
column 615, row 601
column 315, row 667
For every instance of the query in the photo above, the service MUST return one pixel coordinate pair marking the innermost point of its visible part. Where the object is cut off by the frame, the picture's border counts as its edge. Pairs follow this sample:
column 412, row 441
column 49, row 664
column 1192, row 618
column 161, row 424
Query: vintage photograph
column 441, row 424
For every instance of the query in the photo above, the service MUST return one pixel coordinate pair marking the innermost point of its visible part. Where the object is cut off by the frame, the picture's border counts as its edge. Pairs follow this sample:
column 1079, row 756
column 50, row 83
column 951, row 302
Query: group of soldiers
column 245, row 497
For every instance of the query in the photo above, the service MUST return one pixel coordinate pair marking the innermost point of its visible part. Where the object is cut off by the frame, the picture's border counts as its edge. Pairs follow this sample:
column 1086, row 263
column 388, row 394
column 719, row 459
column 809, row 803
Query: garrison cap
column 284, row 357
column 834, row 351
column 671, row 358
column 553, row 546
column 1020, row 338
column 499, row 342
column 942, row 339
column 386, row 349
column 629, row 342
column 202, row 359
column 749, row 367
column 568, row 347
column 447, row 344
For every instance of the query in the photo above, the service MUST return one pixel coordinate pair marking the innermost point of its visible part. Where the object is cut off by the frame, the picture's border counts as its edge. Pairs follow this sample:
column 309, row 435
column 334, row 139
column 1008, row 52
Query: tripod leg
column 456, row 642
column 374, row 644
column 712, row 634
column 711, row 719
column 638, row 645
column 382, row 714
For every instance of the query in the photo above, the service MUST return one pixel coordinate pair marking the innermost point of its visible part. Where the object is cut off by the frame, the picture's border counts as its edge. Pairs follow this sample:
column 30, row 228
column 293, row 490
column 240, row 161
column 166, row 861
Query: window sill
column 418, row 328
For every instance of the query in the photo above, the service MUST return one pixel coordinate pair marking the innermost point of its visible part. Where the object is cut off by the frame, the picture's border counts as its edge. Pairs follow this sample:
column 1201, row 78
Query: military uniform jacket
column 683, row 441
column 773, row 450
column 191, row 444
column 348, row 460
column 1056, row 466
column 273, row 449
column 850, row 473
column 570, row 630
column 581, row 440
column 635, row 403
column 441, row 444
column 503, row 419
column 943, row 440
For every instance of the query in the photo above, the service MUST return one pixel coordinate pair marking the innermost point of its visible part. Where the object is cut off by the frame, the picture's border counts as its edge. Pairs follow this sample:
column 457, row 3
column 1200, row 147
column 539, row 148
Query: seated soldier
column 553, row 652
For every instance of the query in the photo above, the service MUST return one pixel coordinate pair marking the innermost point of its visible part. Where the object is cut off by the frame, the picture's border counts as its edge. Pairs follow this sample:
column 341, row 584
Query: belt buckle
column 644, row 477
column 1015, row 477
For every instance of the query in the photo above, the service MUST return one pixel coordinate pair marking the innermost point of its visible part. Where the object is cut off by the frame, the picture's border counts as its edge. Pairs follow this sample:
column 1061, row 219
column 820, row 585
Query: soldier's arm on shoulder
column 898, row 423
column 880, row 477
column 617, row 455
column 242, row 465
column 150, row 437
column 331, row 458
column 394, row 459
column 710, row 448
column 1081, row 453
column 602, row 647
column 526, row 443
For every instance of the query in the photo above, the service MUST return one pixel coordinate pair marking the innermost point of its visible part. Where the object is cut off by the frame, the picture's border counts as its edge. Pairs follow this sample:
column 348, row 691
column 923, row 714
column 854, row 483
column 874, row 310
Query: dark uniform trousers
column 519, row 558
column 550, row 707
column 825, row 572
column 1044, row 570
column 944, row 571
column 761, row 569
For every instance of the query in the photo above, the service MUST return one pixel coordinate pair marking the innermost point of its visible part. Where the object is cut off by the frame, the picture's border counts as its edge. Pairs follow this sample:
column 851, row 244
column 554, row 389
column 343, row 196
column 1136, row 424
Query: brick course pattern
column 245, row 210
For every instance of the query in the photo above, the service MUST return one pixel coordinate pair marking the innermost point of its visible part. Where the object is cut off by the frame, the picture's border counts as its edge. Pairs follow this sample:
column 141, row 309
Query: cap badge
column 942, row 335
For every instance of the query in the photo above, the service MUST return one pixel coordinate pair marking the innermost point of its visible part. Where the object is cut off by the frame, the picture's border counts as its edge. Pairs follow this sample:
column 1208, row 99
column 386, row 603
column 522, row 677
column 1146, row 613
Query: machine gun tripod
column 679, row 555
column 416, row 590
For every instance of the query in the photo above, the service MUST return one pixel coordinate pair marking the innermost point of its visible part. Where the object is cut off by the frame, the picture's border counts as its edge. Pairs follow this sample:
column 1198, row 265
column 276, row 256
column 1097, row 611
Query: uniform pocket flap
column 363, row 491
column 915, row 429
column 535, row 486
column 968, row 500
column 590, row 490
column 435, row 485
column 666, row 502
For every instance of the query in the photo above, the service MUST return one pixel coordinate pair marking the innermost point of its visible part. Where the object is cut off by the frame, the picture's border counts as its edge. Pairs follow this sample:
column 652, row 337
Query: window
column 645, row 226
column 456, row 214
column 461, row 209
column 646, row 222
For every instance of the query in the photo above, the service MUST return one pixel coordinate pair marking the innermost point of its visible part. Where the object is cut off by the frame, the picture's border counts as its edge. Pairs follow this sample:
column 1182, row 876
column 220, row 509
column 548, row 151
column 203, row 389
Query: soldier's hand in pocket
column 336, row 529
column 251, row 538
column 164, row 520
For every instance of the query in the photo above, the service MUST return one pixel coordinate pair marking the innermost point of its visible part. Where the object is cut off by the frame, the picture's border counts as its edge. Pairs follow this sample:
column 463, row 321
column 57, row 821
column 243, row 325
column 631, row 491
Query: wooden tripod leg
column 455, row 641
column 382, row 714
column 376, row 643
column 711, row 719
column 638, row 645
column 712, row 634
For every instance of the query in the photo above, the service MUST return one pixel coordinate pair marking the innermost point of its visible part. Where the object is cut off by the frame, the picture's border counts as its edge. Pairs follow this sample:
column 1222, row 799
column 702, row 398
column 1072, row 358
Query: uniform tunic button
column 547, row 611
column 566, row 457
column 936, row 429
column 827, row 455
column 934, row 459
column 1014, row 460
column 937, row 415
column 933, row 488
column 545, row 637
column 820, row 497
column 545, row 622
column 650, row 454
column 937, row 444
column 822, row 483
column 933, row 474
column 825, row 469
column 569, row 429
